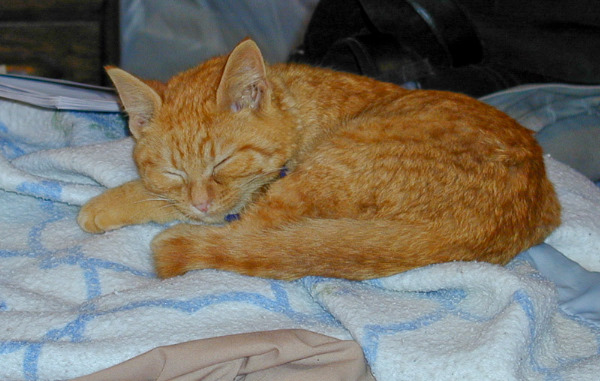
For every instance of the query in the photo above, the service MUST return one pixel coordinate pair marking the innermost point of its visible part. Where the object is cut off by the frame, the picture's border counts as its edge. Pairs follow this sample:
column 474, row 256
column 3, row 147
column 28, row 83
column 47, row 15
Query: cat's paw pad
column 96, row 217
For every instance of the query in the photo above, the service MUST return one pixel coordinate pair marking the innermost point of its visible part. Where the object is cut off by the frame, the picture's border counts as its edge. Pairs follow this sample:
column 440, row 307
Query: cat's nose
column 201, row 196
column 202, row 206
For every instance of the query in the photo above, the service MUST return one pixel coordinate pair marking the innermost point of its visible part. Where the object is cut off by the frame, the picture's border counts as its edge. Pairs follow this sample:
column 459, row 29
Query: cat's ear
column 141, row 101
column 244, row 82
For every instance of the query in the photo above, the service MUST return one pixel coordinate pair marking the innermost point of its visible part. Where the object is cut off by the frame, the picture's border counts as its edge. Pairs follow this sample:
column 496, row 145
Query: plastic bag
column 160, row 38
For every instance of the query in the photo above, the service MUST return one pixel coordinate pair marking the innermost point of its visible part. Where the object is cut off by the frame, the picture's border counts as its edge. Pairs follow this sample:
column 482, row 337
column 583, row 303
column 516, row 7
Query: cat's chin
column 206, row 219
column 212, row 217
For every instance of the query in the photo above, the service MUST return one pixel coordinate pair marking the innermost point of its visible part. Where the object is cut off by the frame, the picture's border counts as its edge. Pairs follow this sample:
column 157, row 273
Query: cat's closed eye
column 175, row 174
column 222, row 161
column 216, row 171
column 236, row 165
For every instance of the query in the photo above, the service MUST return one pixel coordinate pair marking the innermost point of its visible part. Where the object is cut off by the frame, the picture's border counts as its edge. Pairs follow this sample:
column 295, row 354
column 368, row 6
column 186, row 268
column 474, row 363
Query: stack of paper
column 59, row 94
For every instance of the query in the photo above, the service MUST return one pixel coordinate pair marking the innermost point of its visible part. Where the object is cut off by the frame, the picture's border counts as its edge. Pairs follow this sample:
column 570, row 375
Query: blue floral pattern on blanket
column 72, row 303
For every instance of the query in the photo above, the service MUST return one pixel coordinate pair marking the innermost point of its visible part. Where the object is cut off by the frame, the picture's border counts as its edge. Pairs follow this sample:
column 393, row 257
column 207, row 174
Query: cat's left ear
column 244, row 82
column 141, row 101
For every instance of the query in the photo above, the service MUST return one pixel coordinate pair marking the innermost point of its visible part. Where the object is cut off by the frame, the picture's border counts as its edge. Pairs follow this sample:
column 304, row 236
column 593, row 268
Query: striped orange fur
column 380, row 179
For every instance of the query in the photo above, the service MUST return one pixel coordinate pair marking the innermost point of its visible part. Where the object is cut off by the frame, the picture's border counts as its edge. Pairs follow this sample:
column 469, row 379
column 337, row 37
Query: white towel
column 72, row 303
column 578, row 237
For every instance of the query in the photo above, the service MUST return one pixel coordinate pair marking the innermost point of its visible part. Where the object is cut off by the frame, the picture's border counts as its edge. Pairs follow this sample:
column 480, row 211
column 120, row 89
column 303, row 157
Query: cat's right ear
column 244, row 81
column 141, row 101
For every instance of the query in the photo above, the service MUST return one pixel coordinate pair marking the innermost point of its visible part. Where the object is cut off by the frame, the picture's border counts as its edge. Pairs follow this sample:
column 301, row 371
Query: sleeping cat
column 379, row 179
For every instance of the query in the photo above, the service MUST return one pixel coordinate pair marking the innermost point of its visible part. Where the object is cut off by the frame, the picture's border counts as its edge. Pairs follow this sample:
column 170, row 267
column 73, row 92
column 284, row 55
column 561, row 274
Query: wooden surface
column 66, row 39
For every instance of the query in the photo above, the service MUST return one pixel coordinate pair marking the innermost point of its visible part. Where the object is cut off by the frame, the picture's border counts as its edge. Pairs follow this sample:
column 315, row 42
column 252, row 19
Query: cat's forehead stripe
column 211, row 149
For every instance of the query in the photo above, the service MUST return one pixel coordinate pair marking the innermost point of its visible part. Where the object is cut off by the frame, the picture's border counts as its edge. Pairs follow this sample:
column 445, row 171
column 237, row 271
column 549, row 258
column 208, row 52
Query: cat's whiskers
column 154, row 199
column 168, row 203
column 157, row 197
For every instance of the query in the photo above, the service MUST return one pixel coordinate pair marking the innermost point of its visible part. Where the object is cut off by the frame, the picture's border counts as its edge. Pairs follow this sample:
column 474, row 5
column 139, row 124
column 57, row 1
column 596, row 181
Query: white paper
column 58, row 94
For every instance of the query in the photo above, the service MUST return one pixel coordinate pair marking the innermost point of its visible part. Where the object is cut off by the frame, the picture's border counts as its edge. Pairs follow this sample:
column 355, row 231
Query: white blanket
column 72, row 303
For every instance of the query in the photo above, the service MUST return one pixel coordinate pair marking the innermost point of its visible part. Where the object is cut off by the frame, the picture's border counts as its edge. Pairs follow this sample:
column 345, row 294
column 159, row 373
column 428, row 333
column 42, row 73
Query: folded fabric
column 272, row 355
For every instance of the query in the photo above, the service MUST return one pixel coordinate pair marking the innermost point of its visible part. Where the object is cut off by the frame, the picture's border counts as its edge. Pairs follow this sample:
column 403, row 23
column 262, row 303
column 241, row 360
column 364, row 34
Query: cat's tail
column 347, row 248
column 341, row 248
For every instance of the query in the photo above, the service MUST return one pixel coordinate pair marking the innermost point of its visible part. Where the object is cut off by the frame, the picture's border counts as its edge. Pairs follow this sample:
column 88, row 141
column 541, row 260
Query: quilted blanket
column 72, row 303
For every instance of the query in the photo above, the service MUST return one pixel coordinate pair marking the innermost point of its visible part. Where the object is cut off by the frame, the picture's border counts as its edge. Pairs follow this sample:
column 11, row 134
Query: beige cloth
column 282, row 355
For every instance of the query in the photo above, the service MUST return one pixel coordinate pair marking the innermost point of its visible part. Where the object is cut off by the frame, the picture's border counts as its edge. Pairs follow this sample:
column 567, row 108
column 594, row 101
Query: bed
column 73, row 303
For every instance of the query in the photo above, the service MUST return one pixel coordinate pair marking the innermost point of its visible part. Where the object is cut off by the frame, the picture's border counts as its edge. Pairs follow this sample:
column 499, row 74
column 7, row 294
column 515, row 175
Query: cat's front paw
column 97, row 216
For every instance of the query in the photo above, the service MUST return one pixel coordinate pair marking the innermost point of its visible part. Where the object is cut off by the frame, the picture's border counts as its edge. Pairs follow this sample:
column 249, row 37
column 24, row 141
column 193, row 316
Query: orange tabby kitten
column 380, row 179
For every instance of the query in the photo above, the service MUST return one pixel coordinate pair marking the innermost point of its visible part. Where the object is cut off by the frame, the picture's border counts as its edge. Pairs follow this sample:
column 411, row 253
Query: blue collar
column 236, row 216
